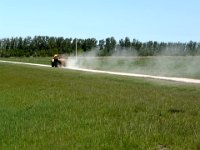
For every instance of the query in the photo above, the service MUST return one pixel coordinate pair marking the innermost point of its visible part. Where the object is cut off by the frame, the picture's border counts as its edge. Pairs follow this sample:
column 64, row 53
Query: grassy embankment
column 49, row 108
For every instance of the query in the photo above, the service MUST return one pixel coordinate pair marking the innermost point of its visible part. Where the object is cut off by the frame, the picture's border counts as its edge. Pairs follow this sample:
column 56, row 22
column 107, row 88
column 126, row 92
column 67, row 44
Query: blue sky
column 157, row 20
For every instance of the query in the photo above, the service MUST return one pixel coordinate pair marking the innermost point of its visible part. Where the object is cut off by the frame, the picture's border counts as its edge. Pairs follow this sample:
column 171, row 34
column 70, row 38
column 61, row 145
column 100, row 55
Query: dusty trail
column 185, row 80
column 23, row 63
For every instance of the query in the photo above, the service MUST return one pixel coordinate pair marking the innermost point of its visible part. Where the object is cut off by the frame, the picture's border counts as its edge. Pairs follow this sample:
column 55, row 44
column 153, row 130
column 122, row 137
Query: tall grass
column 51, row 108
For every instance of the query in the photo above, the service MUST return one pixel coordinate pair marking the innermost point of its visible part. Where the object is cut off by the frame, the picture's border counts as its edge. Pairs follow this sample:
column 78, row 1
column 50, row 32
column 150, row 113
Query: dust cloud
column 128, row 61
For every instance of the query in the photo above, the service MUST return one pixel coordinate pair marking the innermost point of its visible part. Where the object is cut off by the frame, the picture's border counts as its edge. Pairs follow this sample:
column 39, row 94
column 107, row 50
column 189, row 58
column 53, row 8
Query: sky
column 144, row 20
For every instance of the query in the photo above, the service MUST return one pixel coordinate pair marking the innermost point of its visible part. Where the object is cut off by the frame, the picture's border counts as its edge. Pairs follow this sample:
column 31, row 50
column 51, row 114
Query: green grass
column 52, row 108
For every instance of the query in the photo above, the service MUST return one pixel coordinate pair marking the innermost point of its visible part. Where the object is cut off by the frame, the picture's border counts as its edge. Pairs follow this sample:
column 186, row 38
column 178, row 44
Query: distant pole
column 76, row 48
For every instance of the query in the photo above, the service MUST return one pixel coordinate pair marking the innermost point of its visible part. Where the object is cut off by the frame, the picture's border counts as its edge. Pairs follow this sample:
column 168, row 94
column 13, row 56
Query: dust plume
column 128, row 61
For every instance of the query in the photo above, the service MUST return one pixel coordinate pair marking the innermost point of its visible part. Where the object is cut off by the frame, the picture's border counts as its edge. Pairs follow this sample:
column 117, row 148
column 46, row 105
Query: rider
column 55, row 61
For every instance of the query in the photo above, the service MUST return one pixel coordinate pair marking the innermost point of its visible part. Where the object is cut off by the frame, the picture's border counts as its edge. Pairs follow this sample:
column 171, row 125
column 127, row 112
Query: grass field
column 52, row 108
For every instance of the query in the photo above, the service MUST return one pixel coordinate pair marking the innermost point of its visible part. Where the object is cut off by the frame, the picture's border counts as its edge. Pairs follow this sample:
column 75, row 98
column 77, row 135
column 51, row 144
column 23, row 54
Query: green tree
column 122, row 43
column 110, row 45
column 101, row 44
column 127, row 42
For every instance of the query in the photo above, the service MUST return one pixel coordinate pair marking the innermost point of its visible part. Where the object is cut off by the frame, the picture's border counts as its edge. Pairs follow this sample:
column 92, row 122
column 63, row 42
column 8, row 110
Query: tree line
column 47, row 46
